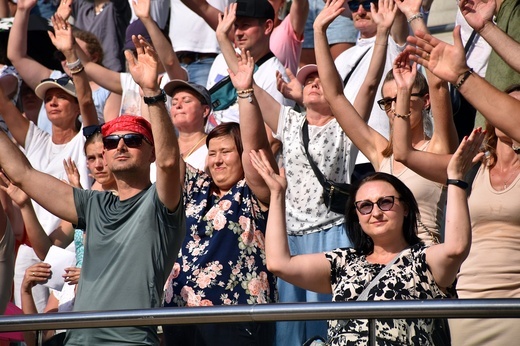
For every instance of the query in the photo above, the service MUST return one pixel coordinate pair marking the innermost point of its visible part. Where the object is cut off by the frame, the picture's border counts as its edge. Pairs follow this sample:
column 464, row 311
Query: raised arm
column 479, row 15
column 383, row 15
column 449, row 63
column 299, row 12
column 161, row 45
column 310, row 271
column 31, row 71
column 252, row 128
column 63, row 40
column 369, row 141
column 444, row 259
column 18, row 125
column 226, row 22
column 167, row 155
column 41, row 187
column 444, row 139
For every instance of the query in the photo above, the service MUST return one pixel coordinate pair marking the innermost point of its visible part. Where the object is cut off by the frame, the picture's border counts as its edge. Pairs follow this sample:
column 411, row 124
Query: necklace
column 511, row 177
column 192, row 149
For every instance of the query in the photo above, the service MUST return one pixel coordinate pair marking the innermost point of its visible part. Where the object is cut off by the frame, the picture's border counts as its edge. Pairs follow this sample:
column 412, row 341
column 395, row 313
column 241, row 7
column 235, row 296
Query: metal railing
column 449, row 308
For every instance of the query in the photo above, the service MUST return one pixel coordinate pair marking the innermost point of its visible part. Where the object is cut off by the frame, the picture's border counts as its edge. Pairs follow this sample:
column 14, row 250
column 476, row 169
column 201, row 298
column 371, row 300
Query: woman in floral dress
column 222, row 260
column 381, row 220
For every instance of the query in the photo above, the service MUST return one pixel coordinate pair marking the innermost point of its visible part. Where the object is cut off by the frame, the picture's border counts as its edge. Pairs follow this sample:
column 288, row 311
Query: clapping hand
column 243, row 79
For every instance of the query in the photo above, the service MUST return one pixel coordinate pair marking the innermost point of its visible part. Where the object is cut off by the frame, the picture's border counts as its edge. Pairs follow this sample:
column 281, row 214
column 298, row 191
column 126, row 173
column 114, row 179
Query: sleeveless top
column 430, row 196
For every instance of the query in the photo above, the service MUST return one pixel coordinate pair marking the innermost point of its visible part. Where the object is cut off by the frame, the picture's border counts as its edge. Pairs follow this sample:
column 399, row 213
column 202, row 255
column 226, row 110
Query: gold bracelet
column 248, row 96
column 403, row 116
column 76, row 71
column 465, row 76
column 245, row 91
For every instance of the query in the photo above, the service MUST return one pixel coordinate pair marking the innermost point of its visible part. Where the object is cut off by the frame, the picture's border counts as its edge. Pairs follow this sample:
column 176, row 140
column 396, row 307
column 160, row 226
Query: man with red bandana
column 132, row 239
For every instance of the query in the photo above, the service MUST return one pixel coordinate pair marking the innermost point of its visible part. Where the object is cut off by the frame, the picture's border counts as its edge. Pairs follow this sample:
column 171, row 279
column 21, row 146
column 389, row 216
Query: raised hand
column 226, row 20
column 409, row 7
column 384, row 14
column 478, row 12
column 62, row 37
column 72, row 173
column 141, row 8
column 331, row 10
column 292, row 90
column 243, row 79
column 404, row 71
column 25, row 5
column 64, row 9
column 14, row 192
column 143, row 68
column 467, row 154
column 448, row 62
column 275, row 182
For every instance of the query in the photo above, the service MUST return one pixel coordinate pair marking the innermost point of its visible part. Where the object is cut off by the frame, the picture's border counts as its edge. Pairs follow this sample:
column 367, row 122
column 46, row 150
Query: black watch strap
column 154, row 99
column 459, row 183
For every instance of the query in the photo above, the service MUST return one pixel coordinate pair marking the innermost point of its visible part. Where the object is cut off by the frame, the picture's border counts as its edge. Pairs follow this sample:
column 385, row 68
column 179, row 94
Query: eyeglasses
column 61, row 81
column 385, row 203
column 354, row 5
column 58, row 55
column 132, row 140
column 386, row 103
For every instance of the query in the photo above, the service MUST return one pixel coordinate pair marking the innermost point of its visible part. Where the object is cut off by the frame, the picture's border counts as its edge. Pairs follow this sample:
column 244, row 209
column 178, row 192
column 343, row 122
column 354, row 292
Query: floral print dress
column 408, row 278
column 222, row 259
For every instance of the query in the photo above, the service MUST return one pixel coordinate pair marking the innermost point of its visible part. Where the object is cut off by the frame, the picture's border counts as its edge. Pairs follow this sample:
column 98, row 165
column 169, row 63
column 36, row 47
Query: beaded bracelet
column 74, row 65
column 403, row 116
column 415, row 16
column 464, row 77
column 245, row 91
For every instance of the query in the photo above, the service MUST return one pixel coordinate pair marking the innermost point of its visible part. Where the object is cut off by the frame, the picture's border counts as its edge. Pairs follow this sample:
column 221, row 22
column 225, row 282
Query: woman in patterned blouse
column 222, row 260
column 381, row 221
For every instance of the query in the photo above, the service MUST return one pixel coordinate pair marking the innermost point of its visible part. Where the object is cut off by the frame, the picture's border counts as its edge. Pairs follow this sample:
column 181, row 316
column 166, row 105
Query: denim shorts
column 339, row 31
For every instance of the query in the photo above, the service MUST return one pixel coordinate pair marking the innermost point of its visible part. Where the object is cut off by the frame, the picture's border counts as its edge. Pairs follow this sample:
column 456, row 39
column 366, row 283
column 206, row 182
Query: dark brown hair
column 227, row 129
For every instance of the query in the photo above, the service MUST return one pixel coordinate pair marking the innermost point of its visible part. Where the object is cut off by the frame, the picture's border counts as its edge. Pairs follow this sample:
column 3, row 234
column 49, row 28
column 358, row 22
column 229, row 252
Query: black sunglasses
column 386, row 103
column 58, row 55
column 132, row 140
column 354, row 5
column 385, row 203
column 61, row 81
column 89, row 131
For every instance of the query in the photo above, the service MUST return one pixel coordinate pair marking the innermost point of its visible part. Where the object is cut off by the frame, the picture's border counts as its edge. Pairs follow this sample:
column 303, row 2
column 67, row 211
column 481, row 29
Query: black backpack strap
column 347, row 77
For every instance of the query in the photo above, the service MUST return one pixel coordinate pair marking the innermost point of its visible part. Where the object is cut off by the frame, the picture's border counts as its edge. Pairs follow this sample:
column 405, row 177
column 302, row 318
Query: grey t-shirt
column 130, row 249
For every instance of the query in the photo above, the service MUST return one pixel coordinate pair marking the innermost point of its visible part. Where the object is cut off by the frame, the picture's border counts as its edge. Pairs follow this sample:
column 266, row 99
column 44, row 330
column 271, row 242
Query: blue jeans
column 198, row 70
column 295, row 333
column 341, row 30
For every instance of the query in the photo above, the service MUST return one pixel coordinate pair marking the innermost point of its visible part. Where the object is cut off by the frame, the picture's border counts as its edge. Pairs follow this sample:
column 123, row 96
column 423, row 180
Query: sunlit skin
column 83, row 46
column 363, row 22
column 312, row 90
column 224, row 163
column 129, row 160
column 417, row 104
column 96, row 164
column 61, row 107
column 248, row 33
column 382, row 226
column 187, row 112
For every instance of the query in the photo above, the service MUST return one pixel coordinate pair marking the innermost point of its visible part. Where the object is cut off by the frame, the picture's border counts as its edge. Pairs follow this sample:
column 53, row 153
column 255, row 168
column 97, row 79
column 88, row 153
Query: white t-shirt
column 478, row 54
column 48, row 157
column 344, row 63
column 191, row 33
column 131, row 100
column 333, row 154
column 265, row 77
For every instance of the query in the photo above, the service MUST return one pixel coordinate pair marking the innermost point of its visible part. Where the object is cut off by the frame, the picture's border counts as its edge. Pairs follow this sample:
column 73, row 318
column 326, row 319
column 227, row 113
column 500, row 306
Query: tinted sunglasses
column 132, row 140
column 385, row 203
column 354, row 5
column 91, row 130
column 386, row 103
column 61, row 81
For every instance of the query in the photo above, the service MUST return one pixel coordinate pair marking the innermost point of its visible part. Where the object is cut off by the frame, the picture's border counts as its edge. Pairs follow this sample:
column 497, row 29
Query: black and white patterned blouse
column 408, row 278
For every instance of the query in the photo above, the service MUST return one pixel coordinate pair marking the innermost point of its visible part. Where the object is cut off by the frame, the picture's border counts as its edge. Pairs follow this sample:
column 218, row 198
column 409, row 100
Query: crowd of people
column 200, row 162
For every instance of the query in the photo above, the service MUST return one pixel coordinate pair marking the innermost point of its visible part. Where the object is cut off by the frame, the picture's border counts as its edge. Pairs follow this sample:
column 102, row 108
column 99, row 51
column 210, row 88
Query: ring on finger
column 33, row 274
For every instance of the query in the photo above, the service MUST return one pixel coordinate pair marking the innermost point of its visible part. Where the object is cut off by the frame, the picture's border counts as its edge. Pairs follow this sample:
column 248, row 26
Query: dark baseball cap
column 255, row 9
column 175, row 84
column 135, row 28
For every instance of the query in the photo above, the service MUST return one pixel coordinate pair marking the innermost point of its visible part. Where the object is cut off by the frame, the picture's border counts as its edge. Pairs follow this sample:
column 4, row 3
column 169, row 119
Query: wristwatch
column 459, row 183
column 154, row 99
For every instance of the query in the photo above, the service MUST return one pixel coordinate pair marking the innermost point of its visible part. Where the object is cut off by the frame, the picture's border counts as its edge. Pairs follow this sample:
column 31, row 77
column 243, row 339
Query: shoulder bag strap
column 305, row 137
column 347, row 77
column 470, row 41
